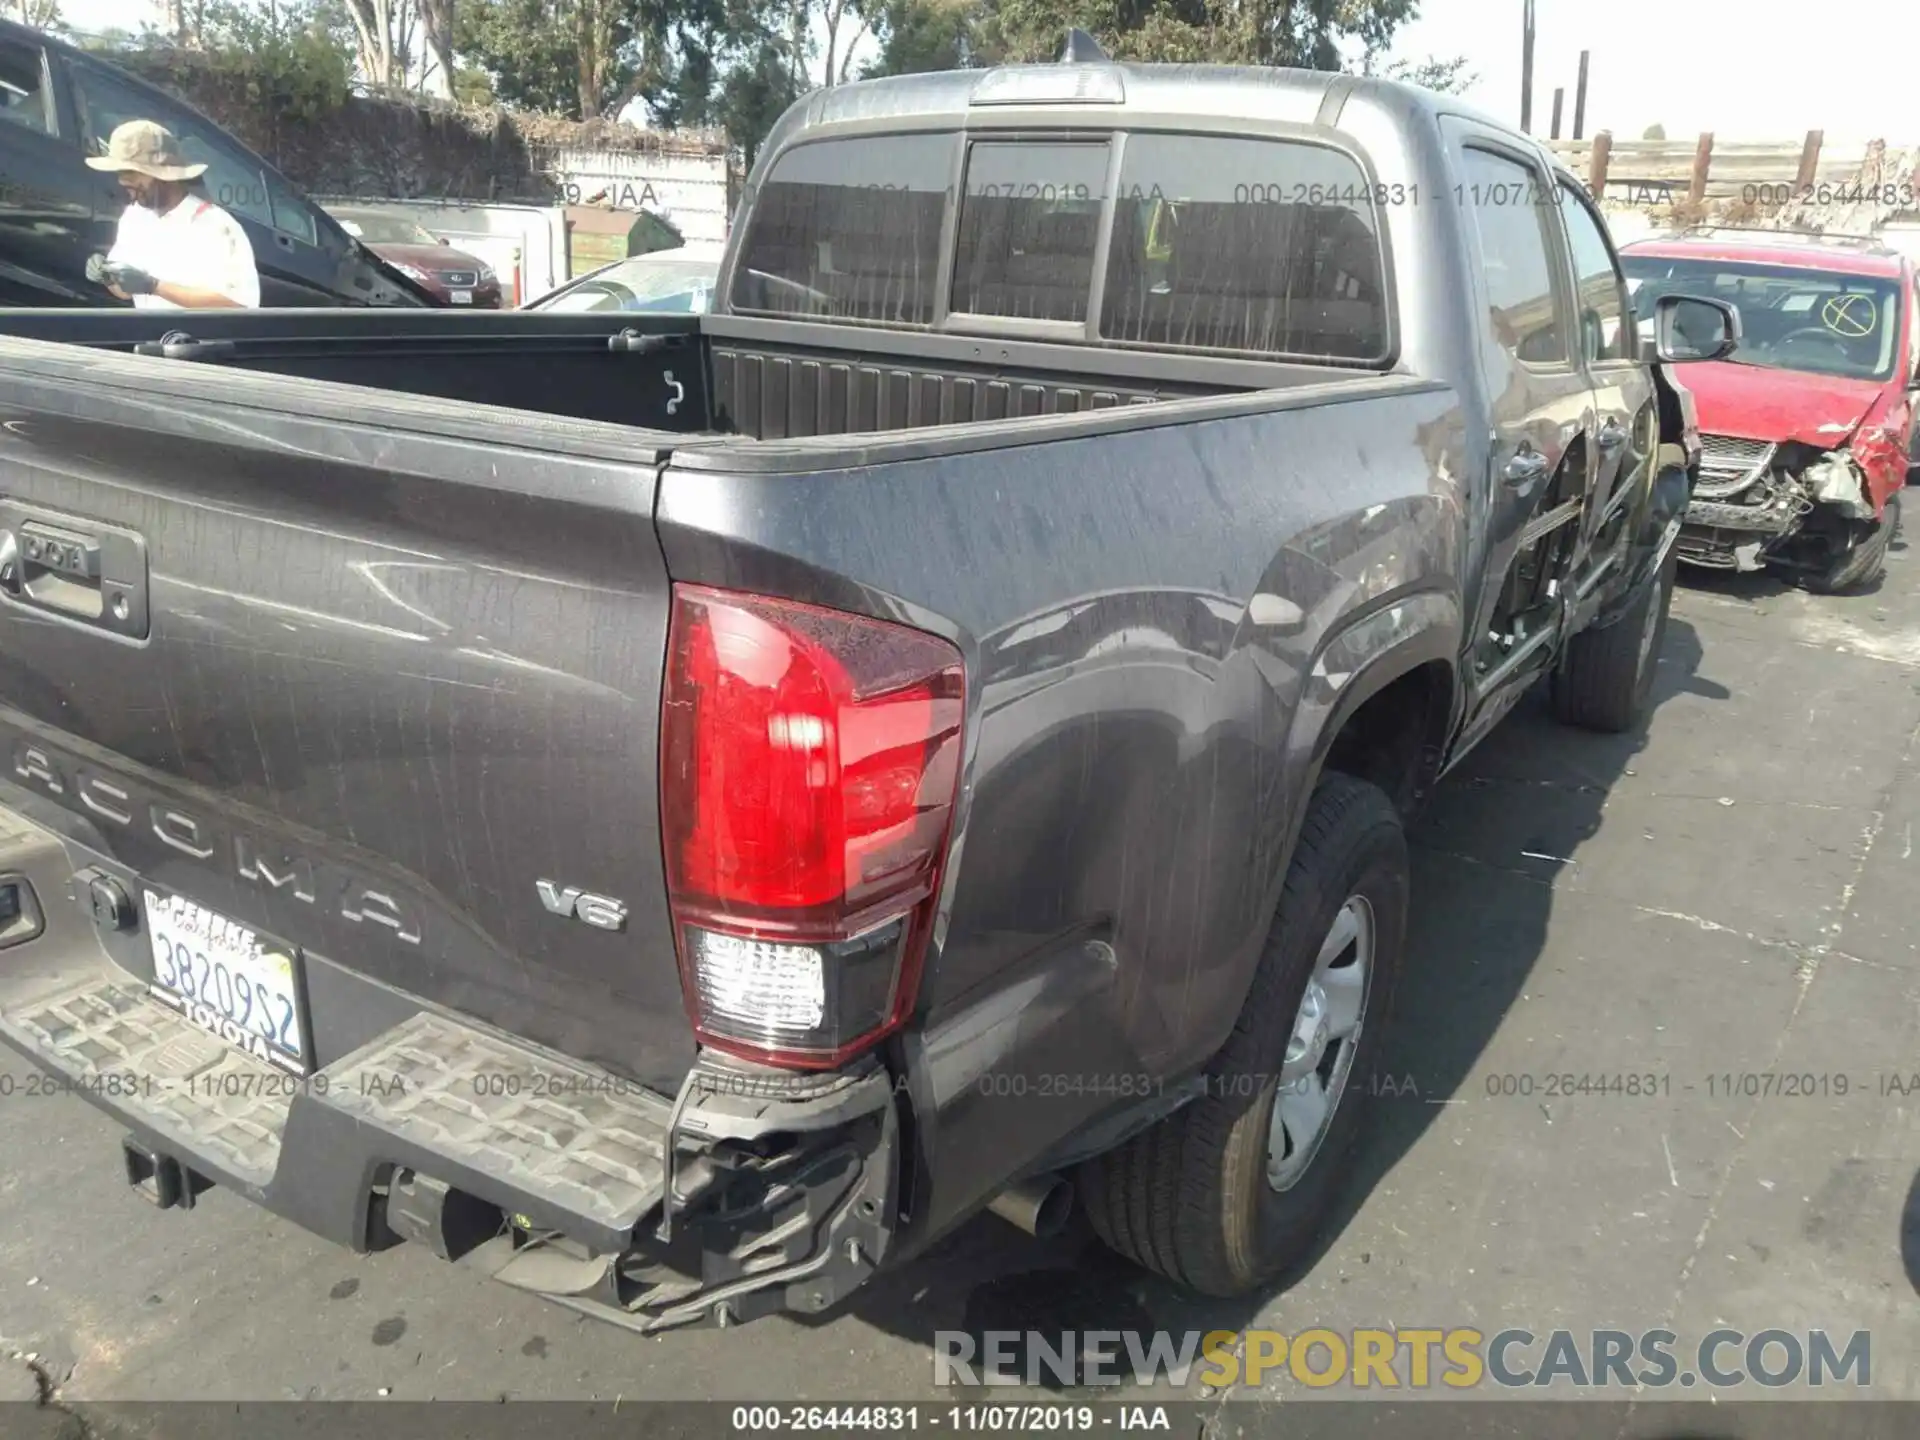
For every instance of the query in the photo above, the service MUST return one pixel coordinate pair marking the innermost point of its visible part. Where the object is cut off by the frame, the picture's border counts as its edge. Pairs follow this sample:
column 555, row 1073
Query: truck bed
column 878, row 738
column 404, row 658
column 714, row 375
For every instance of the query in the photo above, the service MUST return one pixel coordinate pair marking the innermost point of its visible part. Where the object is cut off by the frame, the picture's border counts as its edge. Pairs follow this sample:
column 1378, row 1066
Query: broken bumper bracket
column 784, row 1196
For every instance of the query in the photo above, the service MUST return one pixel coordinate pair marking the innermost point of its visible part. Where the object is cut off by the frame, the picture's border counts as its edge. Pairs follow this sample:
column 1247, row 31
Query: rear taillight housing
column 810, row 760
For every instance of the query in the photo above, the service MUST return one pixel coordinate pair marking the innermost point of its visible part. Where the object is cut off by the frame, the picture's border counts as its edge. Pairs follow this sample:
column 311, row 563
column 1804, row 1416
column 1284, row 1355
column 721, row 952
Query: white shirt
column 196, row 244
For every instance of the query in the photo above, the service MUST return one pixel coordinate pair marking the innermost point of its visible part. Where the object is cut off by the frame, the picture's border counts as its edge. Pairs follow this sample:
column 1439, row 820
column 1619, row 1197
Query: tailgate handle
column 97, row 576
column 178, row 345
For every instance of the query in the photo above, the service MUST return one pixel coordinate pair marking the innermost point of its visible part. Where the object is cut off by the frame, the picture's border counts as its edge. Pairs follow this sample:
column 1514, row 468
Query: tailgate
column 377, row 677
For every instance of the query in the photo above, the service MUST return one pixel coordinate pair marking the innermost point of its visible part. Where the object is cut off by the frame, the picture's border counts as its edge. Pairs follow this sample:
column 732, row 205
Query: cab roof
column 1122, row 93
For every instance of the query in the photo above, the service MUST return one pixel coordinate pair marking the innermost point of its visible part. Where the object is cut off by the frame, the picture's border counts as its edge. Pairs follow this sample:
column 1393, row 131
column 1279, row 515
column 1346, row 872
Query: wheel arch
column 1392, row 714
column 1383, row 694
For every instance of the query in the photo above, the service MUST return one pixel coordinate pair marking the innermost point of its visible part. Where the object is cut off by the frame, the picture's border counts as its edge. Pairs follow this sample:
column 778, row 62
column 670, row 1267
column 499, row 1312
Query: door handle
column 1612, row 435
column 1526, row 467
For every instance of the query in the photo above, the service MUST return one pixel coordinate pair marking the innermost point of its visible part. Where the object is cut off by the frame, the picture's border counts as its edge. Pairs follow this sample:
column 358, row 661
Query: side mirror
column 1691, row 327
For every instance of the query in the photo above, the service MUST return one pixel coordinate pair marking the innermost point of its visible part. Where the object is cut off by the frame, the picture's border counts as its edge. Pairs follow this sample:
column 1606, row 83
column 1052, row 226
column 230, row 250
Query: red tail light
column 809, row 763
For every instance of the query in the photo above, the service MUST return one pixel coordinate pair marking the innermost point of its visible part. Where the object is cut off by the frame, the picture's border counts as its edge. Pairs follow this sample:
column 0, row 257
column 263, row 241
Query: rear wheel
column 1862, row 563
column 1233, row 1190
column 1606, row 678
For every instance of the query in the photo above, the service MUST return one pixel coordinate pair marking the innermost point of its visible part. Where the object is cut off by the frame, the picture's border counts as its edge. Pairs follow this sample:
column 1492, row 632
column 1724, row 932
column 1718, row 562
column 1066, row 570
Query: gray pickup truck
column 683, row 811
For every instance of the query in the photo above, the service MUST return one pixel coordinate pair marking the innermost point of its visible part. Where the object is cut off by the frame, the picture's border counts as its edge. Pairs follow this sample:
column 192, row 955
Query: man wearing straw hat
column 175, row 249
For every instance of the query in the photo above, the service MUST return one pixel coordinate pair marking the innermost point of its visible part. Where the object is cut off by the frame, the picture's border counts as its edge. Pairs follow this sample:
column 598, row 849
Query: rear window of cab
column 1215, row 244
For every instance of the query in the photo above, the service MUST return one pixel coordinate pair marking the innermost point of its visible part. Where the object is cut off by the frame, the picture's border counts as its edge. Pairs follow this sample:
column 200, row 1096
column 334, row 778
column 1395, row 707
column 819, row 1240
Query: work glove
column 127, row 279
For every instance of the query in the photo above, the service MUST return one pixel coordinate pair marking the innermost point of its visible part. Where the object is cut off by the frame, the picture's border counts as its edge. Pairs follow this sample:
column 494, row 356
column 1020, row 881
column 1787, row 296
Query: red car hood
column 427, row 257
column 1755, row 403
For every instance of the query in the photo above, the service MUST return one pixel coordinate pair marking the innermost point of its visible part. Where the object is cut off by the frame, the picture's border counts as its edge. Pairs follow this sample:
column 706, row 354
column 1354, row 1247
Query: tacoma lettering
column 255, row 862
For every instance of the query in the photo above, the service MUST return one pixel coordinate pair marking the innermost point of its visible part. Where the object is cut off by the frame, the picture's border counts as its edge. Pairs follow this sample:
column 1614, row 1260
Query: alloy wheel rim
column 1321, row 1046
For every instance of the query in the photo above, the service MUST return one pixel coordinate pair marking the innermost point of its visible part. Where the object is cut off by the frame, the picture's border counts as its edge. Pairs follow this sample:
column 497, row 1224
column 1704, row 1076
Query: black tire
column 1189, row 1198
column 1866, row 562
column 1606, row 677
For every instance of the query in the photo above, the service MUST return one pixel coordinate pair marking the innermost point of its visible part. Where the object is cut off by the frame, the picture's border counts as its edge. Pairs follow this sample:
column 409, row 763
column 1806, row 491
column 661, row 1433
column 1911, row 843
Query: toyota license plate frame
column 229, row 979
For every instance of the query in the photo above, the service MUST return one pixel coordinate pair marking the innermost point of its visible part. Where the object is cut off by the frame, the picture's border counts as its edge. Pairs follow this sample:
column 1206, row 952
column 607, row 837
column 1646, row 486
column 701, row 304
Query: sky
column 110, row 14
column 1689, row 65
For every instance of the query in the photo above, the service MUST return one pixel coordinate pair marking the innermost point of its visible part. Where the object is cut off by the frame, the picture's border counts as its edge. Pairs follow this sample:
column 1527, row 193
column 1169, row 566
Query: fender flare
column 1435, row 642
column 1435, row 638
column 1422, row 627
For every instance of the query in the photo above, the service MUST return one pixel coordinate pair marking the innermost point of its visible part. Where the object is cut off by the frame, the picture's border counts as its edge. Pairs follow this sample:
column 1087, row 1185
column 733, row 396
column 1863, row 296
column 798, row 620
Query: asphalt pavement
column 1732, row 895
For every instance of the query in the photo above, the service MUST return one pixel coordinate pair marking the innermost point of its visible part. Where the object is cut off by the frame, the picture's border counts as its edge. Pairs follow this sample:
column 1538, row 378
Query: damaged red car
column 1806, row 428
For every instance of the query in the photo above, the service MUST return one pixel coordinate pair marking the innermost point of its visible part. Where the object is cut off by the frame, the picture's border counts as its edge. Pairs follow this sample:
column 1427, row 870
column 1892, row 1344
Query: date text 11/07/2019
column 1718, row 1085
column 1349, row 195
column 1040, row 1418
column 1498, row 1085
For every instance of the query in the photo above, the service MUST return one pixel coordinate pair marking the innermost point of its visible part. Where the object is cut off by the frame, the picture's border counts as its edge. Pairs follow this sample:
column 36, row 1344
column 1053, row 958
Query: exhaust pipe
column 1040, row 1206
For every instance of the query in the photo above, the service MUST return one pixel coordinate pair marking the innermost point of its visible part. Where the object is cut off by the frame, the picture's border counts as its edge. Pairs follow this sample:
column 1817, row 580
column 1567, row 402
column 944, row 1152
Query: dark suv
column 59, row 104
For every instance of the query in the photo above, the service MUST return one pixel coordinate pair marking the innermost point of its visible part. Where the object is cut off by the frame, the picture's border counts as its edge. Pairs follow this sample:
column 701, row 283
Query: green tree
column 730, row 65
column 1445, row 77
column 1307, row 33
column 473, row 86
column 440, row 73
column 939, row 34
column 921, row 35
column 290, row 60
column 584, row 58
column 739, row 63
column 754, row 94
column 36, row 14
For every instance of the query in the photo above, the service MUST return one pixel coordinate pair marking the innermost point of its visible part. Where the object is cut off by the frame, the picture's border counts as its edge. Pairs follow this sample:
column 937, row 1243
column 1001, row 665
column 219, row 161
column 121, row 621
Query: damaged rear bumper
column 783, row 1196
column 751, row 1191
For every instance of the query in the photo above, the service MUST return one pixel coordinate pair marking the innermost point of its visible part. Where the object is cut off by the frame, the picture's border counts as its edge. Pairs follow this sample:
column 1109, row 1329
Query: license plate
column 461, row 297
column 228, row 980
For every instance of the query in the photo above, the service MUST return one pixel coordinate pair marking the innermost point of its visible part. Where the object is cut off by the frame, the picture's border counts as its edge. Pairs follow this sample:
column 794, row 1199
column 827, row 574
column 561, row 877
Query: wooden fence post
column 1809, row 162
column 1597, row 163
column 1702, row 163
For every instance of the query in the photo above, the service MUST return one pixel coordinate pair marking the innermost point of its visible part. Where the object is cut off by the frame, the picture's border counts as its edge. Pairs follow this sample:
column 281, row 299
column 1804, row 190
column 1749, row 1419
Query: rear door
column 1541, row 410
column 1626, row 413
